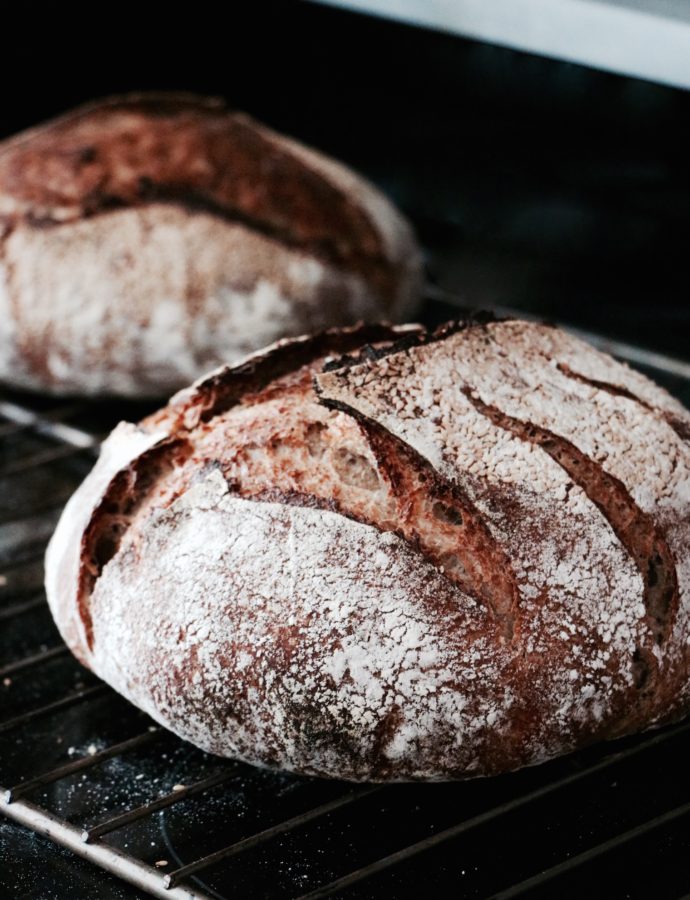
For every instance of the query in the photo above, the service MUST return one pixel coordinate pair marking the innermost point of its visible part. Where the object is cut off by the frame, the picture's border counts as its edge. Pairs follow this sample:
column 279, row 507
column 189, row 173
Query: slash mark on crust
column 681, row 427
column 436, row 518
column 635, row 529
column 130, row 487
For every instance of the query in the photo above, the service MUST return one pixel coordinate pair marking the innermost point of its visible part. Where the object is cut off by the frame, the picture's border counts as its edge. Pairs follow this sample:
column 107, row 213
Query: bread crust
column 457, row 600
column 147, row 238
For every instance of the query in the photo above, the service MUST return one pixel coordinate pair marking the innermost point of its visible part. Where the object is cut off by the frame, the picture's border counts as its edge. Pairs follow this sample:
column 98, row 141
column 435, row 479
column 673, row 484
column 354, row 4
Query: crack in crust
column 613, row 389
column 226, row 387
column 396, row 491
column 681, row 428
column 438, row 519
column 110, row 520
column 476, row 562
column 458, row 541
column 636, row 530
column 419, row 338
column 129, row 489
column 412, row 501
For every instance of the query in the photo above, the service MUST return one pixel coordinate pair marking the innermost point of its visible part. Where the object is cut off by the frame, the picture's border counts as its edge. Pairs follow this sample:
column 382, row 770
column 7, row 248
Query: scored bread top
column 190, row 151
column 456, row 553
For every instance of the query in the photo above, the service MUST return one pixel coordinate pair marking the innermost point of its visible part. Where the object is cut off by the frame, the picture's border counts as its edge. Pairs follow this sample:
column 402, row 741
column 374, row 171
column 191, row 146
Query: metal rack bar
column 52, row 454
column 28, row 661
column 147, row 809
column 38, row 509
column 25, row 553
column 574, row 862
column 11, row 428
column 17, row 609
column 33, row 556
column 174, row 877
column 85, row 762
column 63, row 703
column 387, row 862
column 21, row 415
column 111, row 859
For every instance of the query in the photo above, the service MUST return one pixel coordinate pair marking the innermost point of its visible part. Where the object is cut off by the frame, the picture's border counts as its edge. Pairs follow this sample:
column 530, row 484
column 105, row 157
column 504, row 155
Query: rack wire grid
column 92, row 773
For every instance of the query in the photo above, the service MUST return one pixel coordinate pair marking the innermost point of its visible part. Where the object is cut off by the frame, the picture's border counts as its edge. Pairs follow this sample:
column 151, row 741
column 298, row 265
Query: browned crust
column 220, row 392
column 415, row 481
column 421, row 492
column 124, row 495
column 417, row 484
column 635, row 529
column 412, row 479
column 192, row 151
column 476, row 564
column 418, row 338
column 228, row 386
column 643, row 539
column 681, row 428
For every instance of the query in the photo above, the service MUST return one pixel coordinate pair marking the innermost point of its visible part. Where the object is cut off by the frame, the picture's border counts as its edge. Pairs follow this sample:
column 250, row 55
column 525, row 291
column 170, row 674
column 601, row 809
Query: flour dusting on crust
column 276, row 597
column 147, row 238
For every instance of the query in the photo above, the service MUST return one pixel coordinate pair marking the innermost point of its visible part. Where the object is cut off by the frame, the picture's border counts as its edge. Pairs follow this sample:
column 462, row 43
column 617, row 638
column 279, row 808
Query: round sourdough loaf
column 148, row 238
column 381, row 554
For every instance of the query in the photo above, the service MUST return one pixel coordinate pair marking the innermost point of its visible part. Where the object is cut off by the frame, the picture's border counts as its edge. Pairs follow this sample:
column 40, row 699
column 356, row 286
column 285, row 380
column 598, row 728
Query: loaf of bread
column 146, row 239
column 384, row 554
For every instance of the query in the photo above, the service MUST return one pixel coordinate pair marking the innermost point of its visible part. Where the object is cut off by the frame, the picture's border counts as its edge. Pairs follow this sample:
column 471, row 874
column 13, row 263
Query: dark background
column 533, row 183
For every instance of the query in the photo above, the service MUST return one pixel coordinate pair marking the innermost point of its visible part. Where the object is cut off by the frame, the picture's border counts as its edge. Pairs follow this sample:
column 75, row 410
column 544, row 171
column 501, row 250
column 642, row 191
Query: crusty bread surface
column 148, row 238
column 383, row 554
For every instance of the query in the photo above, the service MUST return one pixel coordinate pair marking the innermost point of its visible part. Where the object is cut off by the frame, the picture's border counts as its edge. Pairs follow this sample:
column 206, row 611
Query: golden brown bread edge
column 378, row 554
column 147, row 238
